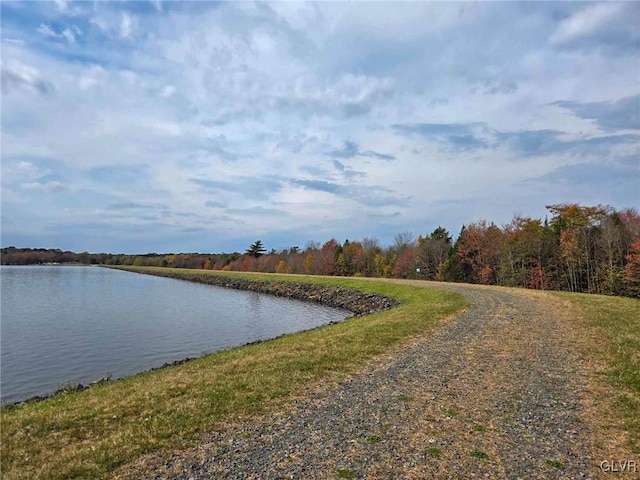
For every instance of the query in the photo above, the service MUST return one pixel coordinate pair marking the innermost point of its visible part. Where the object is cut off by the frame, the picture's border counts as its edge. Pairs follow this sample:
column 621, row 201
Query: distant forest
column 579, row 249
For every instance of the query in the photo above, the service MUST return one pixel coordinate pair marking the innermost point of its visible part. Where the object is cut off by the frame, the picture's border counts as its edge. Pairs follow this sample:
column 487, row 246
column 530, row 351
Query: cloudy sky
column 159, row 126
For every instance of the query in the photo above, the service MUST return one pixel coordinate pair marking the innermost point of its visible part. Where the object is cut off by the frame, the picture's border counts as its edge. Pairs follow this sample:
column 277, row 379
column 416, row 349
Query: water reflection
column 78, row 324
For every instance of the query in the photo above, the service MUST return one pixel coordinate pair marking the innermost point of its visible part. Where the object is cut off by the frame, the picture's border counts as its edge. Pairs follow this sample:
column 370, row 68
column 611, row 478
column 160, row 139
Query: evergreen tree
column 256, row 249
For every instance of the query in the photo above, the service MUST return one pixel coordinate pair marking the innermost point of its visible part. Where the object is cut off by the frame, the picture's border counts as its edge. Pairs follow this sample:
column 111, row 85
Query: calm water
column 79, row 324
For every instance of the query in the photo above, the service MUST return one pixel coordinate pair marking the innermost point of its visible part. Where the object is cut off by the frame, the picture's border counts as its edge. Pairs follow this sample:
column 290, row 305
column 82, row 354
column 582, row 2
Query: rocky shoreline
column 358, row 303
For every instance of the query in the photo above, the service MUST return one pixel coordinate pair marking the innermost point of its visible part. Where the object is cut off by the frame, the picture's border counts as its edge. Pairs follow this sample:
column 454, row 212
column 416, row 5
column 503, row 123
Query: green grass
column 451, row 412
column 89, row 434
column 346, row 473
column 434, row 452
column 371, row 439
column 478, row 454
column 555, row 464
column 617, row 321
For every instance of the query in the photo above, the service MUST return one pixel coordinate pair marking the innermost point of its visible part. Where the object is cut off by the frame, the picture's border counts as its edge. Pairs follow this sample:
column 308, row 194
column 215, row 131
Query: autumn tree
column 354, row 259
column 612, row 246
column 581, row 249
column 431, row 252
column 631, row 221
column 632, row 270
column 308, row 263
column 281, row 267
column 325, row 258
column 576, row 227
column 267, row 263
column 370, row 262
column 383, row 266
column 404, row 265
column 295, row 263
column 527, row 258
column 478, row 251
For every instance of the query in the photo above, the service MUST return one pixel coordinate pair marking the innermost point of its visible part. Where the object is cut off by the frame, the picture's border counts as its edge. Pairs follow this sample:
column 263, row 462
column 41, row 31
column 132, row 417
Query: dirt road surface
column 503, row 391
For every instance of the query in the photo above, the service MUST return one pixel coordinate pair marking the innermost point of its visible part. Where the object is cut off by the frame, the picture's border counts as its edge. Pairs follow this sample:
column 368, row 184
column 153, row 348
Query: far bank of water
column 68, row 325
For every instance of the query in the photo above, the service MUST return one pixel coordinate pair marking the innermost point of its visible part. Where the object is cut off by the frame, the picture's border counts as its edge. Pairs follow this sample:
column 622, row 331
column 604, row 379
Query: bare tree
column 402, row 241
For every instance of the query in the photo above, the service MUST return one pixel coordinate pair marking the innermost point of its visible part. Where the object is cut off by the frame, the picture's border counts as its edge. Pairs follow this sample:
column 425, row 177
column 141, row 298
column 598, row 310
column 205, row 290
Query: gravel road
column 495, row 393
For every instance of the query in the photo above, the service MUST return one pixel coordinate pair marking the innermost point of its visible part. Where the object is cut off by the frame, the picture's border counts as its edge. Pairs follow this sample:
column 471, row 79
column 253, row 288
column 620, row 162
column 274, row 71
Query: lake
column 71, row 324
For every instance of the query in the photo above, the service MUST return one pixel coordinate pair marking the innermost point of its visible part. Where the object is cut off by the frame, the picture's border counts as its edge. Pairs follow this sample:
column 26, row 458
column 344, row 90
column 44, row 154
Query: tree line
column 591, row 249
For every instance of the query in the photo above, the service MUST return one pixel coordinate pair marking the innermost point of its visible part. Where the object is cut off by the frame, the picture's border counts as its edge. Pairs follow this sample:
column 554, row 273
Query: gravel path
column 494, row 393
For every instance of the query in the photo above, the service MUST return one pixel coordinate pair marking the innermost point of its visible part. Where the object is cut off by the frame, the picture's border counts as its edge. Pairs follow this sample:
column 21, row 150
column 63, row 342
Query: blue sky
column 168, row 127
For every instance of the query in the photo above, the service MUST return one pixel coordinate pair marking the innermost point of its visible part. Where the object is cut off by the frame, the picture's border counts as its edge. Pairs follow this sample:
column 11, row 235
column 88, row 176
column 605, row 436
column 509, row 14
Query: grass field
column 89, row 434
column 617, row 321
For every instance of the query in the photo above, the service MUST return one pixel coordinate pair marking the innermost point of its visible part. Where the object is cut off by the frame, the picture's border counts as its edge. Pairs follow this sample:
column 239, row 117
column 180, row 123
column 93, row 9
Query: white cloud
column 27, row 167
column 267, row 92
column 49, row 187
column 62, row 5
column 586, row 22
column 18, row 76
column 94, row 76
column 68, row 33
column 128, row 25
column 13, row 41
column 69, row 9
column 168, row 91
column 46, row 30
column 599, row 25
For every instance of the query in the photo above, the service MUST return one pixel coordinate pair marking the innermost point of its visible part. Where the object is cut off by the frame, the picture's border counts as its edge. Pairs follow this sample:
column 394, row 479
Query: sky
column 134, row 127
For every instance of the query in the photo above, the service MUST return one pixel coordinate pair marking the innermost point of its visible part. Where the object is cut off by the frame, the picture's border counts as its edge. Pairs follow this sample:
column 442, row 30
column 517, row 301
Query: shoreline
column 358, row 303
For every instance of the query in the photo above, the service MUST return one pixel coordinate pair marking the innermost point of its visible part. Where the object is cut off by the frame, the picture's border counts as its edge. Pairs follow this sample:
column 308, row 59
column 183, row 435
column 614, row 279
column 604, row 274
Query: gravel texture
column 494, row 393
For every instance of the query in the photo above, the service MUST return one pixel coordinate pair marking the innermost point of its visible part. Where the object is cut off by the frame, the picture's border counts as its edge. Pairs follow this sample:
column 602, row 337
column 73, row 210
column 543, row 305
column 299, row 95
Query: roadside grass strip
column 617, row 320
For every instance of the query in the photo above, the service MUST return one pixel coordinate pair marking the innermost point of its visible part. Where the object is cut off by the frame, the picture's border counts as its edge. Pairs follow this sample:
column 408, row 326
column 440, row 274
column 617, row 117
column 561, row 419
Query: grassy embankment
column 617, row 324
column 89, row 434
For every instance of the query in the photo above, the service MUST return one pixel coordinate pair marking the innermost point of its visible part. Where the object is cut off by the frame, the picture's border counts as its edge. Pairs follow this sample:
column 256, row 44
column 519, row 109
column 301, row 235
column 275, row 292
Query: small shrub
column 478, row 454
column 555, row 464
column 373, row 439
column 346, row 473
column 434, row 452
